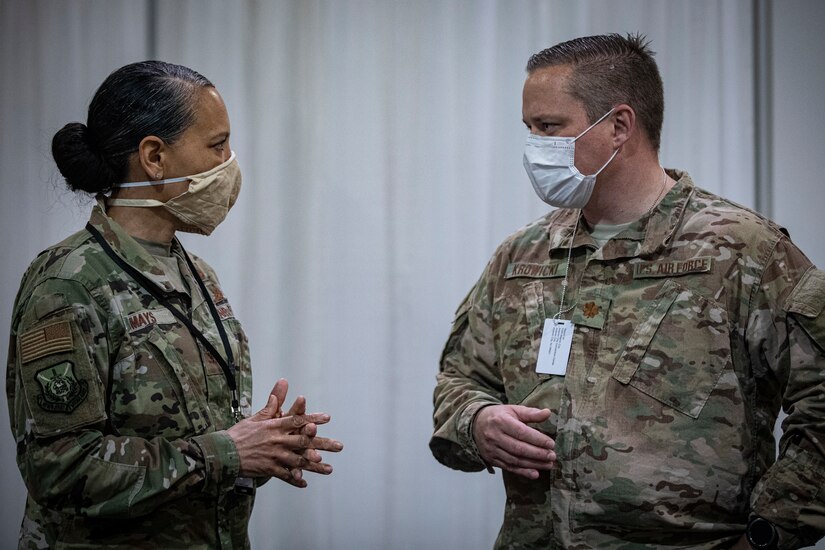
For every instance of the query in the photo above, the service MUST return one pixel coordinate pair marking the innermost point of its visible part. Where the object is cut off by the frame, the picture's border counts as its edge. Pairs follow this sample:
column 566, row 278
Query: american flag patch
column 43, row 341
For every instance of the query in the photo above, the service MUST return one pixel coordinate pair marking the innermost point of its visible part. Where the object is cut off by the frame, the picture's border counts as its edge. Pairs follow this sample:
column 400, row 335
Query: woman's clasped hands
column 273, row 444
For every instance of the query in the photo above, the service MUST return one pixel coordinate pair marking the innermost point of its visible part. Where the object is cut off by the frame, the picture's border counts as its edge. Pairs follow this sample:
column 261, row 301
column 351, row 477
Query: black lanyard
column 228, row 364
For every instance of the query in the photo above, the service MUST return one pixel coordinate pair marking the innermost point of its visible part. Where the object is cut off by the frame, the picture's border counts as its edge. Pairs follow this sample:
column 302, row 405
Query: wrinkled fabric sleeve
column 469, row 379
column 786, row 334
column 85, row 469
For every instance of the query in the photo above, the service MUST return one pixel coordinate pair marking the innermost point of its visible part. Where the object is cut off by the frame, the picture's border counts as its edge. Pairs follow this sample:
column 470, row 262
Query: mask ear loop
column 148, row 183
column 172, row 180
column 606, row 163
column 604, row 116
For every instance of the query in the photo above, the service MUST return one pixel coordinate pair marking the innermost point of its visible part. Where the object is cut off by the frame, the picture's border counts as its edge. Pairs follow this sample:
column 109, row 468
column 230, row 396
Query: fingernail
column 339, row 446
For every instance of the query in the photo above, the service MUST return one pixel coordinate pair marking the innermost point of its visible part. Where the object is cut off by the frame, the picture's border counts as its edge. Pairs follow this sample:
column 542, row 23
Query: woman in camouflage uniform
column 128, row 380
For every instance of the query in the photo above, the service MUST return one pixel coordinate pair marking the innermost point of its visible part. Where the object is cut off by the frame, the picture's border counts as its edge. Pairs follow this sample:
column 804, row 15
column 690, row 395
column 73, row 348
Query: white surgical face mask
column 201, row 207
column 549, row 162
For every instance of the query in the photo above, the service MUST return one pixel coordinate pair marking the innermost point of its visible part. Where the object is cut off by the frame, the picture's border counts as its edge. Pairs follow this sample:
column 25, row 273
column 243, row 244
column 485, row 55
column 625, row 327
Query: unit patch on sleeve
column 59, row 375
column 43, row 341
column 61, row 390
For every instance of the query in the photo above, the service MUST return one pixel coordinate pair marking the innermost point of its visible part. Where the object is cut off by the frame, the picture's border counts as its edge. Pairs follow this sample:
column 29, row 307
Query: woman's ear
column 151, row 152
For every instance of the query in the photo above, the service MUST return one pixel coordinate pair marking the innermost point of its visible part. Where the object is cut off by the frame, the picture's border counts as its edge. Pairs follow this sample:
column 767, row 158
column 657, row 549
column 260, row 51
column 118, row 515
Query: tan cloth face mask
column 204, row 205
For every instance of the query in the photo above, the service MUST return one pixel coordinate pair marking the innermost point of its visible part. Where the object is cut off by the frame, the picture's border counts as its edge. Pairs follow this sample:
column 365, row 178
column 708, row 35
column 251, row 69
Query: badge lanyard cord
column 564, row 283
column 228, row 364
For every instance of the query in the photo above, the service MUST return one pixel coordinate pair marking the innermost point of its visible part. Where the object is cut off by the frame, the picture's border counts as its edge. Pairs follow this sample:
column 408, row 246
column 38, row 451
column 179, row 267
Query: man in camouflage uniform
column 694, row 320
column 144, row 461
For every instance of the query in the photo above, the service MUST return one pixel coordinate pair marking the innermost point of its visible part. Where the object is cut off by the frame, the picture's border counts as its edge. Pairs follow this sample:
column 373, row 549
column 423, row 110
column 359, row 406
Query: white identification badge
column 554, row 351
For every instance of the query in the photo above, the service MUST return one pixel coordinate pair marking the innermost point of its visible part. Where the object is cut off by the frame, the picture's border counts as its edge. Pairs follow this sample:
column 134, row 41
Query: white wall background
column 381, row 148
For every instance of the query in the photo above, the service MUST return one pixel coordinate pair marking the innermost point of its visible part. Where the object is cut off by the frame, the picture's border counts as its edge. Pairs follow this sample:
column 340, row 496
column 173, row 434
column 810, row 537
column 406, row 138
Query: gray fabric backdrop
column 381, row 148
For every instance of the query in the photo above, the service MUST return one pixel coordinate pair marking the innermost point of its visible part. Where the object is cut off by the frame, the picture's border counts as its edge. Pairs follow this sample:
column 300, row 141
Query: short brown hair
column 608, row 70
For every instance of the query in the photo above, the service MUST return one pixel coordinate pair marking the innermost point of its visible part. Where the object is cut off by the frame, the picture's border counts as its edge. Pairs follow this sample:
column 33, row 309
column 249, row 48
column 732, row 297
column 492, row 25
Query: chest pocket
column 523, row 324
column 233, row 332
column 678, row 351
column 150, row 386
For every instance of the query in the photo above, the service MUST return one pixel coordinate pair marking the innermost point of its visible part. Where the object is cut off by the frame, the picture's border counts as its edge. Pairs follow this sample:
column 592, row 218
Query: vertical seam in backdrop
column 152, row 29
column 763, row 105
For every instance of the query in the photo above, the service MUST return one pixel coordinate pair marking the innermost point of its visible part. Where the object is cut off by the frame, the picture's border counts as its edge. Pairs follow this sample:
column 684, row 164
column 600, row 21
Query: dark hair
column 608, row 70
column 149, row 98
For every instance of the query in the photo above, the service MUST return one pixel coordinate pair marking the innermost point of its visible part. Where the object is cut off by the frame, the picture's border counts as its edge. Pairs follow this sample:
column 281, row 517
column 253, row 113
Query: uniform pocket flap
column 679, row 351
column 807, row 303
column 61, row 385
column 636, row 346
column 808, row 298
column 458, row 326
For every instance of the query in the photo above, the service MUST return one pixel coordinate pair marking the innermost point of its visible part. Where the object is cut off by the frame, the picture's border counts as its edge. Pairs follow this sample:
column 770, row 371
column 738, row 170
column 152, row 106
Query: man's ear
column 624, row 124
column 151, row 155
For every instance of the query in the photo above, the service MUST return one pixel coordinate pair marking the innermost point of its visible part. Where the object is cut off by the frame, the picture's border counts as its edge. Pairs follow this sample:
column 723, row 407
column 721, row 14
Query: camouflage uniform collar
column 659, row 227
column 129, row 249
column 645, row 236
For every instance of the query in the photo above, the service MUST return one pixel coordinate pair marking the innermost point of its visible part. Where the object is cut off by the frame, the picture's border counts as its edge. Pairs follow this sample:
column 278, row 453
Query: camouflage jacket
column 117, row 410
column 692, row 328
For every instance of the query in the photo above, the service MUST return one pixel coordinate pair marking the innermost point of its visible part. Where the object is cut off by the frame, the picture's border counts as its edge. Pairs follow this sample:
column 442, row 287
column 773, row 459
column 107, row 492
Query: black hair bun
column 83, row 169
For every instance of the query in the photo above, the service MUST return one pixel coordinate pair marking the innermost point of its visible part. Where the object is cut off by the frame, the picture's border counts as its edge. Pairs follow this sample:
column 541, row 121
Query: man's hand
column 271, row 444
column 505, row 440
column 742, row 544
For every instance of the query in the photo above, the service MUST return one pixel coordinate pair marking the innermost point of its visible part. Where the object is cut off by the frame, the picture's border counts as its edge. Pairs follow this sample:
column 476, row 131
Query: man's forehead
column 546, row 90
column 552, row 75
column 548, row 80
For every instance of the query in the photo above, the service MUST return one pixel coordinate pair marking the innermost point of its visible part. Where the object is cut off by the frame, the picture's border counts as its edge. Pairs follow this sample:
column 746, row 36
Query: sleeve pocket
column 678, row 352
column 61, row 385
column 807, row 303
column 459, row 324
